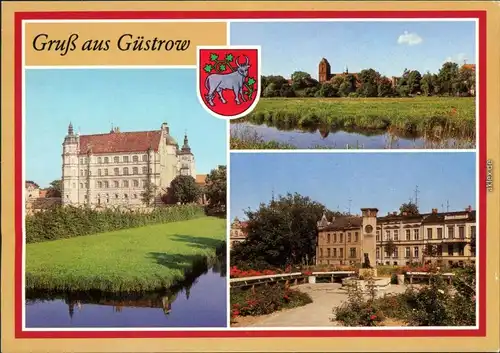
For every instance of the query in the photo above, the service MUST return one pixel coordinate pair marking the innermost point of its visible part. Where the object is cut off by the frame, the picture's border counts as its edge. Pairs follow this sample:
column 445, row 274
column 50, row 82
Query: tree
column 409, row 208
column 55, row 189
column 426, row 84
column 271, row 91
column 299, row 79
column 414, row 79
column 149, row 193
column 448, row 76
column 286, row 91
column 327, row 90
column 390, row 247
column 215, row 189
column 385, row 88
column 280, row 233
column 184, row 189
column 369, row 82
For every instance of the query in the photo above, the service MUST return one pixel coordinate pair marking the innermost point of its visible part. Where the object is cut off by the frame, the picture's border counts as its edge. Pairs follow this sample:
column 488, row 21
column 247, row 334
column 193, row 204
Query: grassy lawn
column 450, row 115
column 136, row 259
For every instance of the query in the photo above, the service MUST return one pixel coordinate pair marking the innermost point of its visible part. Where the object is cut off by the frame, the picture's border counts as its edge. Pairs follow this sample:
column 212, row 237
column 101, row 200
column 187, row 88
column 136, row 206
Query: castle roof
column 119, row 142
column 344, row 222
column 201, row 178
column 469, row 67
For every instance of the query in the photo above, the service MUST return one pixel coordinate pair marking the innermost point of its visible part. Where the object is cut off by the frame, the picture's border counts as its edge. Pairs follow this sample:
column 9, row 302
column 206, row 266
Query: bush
column 67, row 222
column 266, row 299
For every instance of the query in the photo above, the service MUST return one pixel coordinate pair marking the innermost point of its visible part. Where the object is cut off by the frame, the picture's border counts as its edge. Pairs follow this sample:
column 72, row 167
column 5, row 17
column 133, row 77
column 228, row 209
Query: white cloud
column 459, row 58
column 409, row 38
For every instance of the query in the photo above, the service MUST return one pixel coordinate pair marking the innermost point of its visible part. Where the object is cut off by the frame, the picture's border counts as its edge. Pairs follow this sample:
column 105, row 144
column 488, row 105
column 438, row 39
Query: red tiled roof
column 43, row 193
column 115, row 142
column 201, row 178
column 469, row 66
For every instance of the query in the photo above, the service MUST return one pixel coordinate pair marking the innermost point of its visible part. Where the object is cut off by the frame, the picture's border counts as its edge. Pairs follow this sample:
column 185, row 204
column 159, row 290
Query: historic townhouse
column 444, row 238
column 238, row 232
column 117, row 167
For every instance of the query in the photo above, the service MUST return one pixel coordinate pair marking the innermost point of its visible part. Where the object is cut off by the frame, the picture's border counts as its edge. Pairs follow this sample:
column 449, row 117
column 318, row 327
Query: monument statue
column 366, row 263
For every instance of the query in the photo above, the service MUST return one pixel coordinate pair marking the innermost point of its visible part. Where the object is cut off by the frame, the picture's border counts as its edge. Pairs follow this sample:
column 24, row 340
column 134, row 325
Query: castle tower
column 368, row 231
column 69, row 180
column 187, row 159
column 324, row 71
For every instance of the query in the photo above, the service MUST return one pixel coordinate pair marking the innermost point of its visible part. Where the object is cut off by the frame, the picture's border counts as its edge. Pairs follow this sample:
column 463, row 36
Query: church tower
column 324, row 71
column 69, row 180
column 368, row 231
column 187, row 159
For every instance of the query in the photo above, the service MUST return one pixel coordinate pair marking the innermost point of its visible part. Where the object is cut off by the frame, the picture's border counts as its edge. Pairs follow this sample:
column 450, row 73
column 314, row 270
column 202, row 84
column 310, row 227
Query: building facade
column 115, row 168
column 238, row 232
column 445, row 238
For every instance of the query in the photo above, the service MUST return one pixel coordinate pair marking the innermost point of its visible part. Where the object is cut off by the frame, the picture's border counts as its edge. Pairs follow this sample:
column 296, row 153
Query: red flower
column 236, row 312
column 373, row 317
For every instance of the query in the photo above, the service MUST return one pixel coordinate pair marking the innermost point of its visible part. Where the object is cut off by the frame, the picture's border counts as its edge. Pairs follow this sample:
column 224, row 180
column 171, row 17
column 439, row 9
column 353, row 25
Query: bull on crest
column 228, row 80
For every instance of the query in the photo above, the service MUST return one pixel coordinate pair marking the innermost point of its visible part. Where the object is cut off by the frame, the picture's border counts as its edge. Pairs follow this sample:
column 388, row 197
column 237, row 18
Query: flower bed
column 237, row 273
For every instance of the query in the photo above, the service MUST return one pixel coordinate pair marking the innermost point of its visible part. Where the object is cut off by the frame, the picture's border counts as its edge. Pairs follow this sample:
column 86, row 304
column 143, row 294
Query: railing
column 295, row 277
column 427, row 275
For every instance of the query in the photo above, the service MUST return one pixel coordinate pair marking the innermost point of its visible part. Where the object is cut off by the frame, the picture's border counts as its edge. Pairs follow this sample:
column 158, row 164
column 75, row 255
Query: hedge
column 67, row 222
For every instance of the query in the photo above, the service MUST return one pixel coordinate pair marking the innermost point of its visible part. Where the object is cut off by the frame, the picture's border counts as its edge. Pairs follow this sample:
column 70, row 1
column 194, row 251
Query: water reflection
column 199, row 301
column 330, row 137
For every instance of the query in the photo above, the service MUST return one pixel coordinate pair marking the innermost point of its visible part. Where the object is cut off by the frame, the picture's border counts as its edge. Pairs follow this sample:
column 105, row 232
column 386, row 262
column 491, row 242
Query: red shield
column 229, row 80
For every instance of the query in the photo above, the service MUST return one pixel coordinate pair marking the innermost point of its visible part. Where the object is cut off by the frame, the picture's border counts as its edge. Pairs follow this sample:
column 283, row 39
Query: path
column 325, row 297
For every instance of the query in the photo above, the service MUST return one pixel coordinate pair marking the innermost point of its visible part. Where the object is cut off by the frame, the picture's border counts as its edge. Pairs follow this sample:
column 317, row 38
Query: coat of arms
column 229, row 80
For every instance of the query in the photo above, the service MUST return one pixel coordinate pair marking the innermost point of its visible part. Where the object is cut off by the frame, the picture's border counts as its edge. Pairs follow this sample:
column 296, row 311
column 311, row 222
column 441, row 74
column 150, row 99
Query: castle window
column 320, row 252
column 341, row 238
column 117, row 171
column 415, row 252
column 106, row 184
column 116, row 159
column 334, row 237
column 125, row 183
column 143, row 182
column 349, row 237
column 356, row 237
column 440, row 233
column 341, row 252
column 461, row 232
column 328, row 252
column 395, row 252
column 416, row 234
column 125, row 196
column 116, row 184
column 334, row 252
column 396, row 235
column 387, row 235
column 99, row 160
column 81, row 172
column 99, row 184
column 106, row 160
column 378, row 253
column 125, row 171
column 408, row 236
column 135, row 196
column 407, row 252
column 328, row 238
column 125, row 159
column 135, row 183
column 429, row 233
column 145, row 158
column 144, row 170
column 135, row 171
column 99, row 172
column 116, row 196
column 135, row 159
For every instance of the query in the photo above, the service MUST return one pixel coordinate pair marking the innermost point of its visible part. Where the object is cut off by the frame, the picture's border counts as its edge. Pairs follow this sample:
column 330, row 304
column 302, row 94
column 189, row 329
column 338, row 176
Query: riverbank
column 139, row 259
column 432, row 117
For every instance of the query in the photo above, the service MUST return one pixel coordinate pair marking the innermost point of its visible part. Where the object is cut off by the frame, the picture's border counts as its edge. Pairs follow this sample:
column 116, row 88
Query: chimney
column 434, row 210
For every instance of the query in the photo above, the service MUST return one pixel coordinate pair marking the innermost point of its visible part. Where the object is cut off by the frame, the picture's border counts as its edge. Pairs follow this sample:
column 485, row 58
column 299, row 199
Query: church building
column 115, row 168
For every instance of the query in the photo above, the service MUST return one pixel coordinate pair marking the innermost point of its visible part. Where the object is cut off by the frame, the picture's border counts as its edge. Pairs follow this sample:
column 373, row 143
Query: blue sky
column 382, row 180
column 388, row 47
column 133, row 100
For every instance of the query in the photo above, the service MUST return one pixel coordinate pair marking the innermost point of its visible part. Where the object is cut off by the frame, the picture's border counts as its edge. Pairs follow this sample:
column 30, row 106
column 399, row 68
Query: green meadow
column 446, row 116
column 137, row 259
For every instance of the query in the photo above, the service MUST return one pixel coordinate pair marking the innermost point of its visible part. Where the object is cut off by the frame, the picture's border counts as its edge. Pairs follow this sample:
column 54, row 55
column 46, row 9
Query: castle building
column 347, row 240
column 115, row 168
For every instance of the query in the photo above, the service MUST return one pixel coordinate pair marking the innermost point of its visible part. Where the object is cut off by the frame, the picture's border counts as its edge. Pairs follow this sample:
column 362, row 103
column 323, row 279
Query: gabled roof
column 119, row 142
column 341, row 223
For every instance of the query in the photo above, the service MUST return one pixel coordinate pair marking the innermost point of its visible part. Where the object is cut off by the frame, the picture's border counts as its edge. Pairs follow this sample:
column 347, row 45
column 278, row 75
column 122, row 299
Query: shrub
column 67, row 222
column 266, row 299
